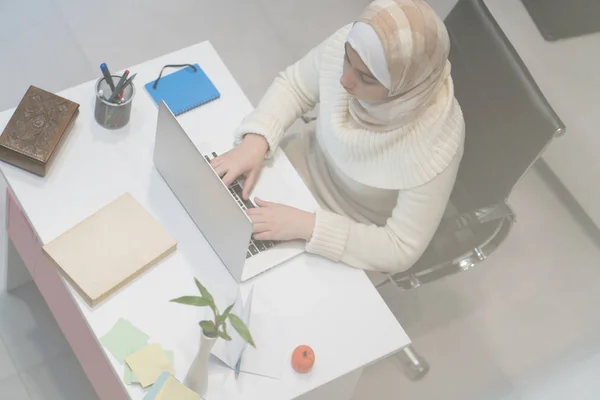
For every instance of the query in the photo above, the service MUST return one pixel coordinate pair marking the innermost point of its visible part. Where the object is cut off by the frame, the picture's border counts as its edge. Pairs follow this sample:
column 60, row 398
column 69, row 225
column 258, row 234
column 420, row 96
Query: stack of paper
column 126, row 344
column 110, row 248
column 148, row 363
column 124, row 339
column 130, row 378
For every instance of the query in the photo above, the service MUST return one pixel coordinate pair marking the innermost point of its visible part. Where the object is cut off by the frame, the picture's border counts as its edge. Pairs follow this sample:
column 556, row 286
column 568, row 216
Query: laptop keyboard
column 256, row 246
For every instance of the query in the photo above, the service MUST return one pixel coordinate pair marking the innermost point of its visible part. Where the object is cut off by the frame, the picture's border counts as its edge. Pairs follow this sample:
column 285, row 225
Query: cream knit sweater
column 382, row 194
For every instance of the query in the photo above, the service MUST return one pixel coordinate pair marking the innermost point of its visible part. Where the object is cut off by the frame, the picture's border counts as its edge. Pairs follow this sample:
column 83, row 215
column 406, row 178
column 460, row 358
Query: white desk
column 567, row 73
column 331, row 307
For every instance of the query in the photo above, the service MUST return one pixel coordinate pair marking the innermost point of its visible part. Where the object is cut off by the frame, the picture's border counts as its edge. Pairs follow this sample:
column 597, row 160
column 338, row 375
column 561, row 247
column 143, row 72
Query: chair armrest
column 472, row 218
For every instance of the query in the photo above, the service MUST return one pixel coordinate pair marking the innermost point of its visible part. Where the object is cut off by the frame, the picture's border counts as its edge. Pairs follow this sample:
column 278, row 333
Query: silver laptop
column 218, row 211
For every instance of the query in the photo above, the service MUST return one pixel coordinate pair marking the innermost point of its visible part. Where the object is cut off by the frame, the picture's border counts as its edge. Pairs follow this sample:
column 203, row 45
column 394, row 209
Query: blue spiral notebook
column 184, row 90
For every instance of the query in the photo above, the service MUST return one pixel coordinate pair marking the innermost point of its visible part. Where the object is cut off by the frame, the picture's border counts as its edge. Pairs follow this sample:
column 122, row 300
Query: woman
column 387, row 146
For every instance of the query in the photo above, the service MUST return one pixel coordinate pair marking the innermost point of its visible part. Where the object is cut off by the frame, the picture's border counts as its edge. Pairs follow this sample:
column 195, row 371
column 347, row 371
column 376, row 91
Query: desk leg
column 63, row 307
column 13, row 272
column 20, row 245
column 16, row 272
column 415, row 366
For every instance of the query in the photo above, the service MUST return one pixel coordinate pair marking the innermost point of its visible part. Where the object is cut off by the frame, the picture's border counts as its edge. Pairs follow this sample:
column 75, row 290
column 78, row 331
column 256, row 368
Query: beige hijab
column 411, row 60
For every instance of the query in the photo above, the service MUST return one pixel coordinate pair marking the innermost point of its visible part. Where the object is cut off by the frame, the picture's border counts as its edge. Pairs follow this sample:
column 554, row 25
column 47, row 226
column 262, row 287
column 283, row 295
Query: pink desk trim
column 83, row 342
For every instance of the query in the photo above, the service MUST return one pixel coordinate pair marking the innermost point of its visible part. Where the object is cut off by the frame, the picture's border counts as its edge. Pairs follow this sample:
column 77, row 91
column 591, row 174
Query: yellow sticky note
column 148, row 363
column 173, row 389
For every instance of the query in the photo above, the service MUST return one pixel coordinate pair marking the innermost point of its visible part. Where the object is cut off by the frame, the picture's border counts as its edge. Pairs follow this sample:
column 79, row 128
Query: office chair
column 509, row 124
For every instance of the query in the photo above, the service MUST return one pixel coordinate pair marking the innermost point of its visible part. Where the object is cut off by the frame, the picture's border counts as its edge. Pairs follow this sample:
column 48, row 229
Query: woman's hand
column 278, row 222
column 245, row 159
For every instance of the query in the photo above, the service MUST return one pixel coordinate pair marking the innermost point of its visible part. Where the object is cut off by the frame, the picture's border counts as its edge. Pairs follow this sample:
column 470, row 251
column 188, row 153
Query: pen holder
column 113, row 115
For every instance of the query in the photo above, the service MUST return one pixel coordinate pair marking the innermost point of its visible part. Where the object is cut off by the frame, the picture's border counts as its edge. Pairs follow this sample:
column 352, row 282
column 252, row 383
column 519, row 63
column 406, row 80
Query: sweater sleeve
column 292, row 94
column 397, row 245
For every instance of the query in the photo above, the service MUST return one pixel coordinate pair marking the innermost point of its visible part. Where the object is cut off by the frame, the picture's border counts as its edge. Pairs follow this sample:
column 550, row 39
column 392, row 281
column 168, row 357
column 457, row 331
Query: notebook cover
column 184, row 90
column 109, row 249
column 33, row 133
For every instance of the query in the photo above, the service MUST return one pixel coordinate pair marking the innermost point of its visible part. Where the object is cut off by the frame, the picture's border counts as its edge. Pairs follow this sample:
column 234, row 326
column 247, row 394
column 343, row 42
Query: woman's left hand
column 272, row 221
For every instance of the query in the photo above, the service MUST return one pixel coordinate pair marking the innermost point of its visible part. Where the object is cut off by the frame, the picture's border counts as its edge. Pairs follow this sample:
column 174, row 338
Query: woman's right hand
column 246, row 159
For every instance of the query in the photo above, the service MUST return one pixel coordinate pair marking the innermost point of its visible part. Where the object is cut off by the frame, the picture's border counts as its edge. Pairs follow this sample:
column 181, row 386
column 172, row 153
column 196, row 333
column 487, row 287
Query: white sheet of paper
column 230, row 351
column 237, row 345
column 268, row 334
column 268, row 358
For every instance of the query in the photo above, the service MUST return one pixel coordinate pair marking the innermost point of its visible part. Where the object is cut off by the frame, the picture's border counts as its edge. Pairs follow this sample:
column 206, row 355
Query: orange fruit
column 303, row 359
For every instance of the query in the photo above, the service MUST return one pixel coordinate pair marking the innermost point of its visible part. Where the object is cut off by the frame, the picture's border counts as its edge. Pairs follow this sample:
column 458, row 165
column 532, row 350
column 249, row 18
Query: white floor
column 525, row 325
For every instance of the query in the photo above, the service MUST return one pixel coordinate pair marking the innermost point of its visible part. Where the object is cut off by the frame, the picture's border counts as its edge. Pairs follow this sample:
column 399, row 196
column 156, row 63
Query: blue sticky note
column 155, row 388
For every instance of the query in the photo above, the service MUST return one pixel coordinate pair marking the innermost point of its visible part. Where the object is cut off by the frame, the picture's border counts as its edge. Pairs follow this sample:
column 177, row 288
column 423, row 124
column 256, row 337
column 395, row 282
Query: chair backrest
column 508, row 120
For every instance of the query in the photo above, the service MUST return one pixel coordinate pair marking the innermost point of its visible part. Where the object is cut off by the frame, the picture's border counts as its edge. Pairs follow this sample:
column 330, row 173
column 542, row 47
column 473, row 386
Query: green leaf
column 205, row 293
column 224, row 335
column 192, row 301
column 208, row 328
column 223, row 317
column 241, row 328
column 224, row 326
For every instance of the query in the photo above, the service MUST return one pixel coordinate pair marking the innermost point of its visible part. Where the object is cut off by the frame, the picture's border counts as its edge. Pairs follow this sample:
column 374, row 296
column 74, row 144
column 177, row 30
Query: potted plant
column 212, row 329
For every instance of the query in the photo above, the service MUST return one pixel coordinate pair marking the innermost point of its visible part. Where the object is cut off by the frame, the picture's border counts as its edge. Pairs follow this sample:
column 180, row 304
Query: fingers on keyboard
column 236, row 189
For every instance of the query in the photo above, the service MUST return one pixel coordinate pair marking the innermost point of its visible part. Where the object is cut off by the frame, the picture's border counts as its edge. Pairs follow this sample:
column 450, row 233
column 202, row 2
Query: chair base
column 487, row 237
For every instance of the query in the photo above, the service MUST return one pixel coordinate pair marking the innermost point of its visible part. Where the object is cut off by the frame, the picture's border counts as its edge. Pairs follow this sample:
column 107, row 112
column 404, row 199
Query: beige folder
column 110, row 248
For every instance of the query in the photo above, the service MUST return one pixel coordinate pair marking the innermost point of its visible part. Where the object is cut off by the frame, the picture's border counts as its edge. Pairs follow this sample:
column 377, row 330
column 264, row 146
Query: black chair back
column 508, row 120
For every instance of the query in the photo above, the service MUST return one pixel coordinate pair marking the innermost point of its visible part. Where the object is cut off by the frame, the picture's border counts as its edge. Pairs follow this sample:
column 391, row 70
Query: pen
column 119, row 87
column 237, row 368
column 107, row 76
column 127, row 83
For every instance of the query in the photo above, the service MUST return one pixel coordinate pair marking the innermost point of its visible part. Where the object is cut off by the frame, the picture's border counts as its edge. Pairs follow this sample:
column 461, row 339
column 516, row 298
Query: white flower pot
column 197, row 376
